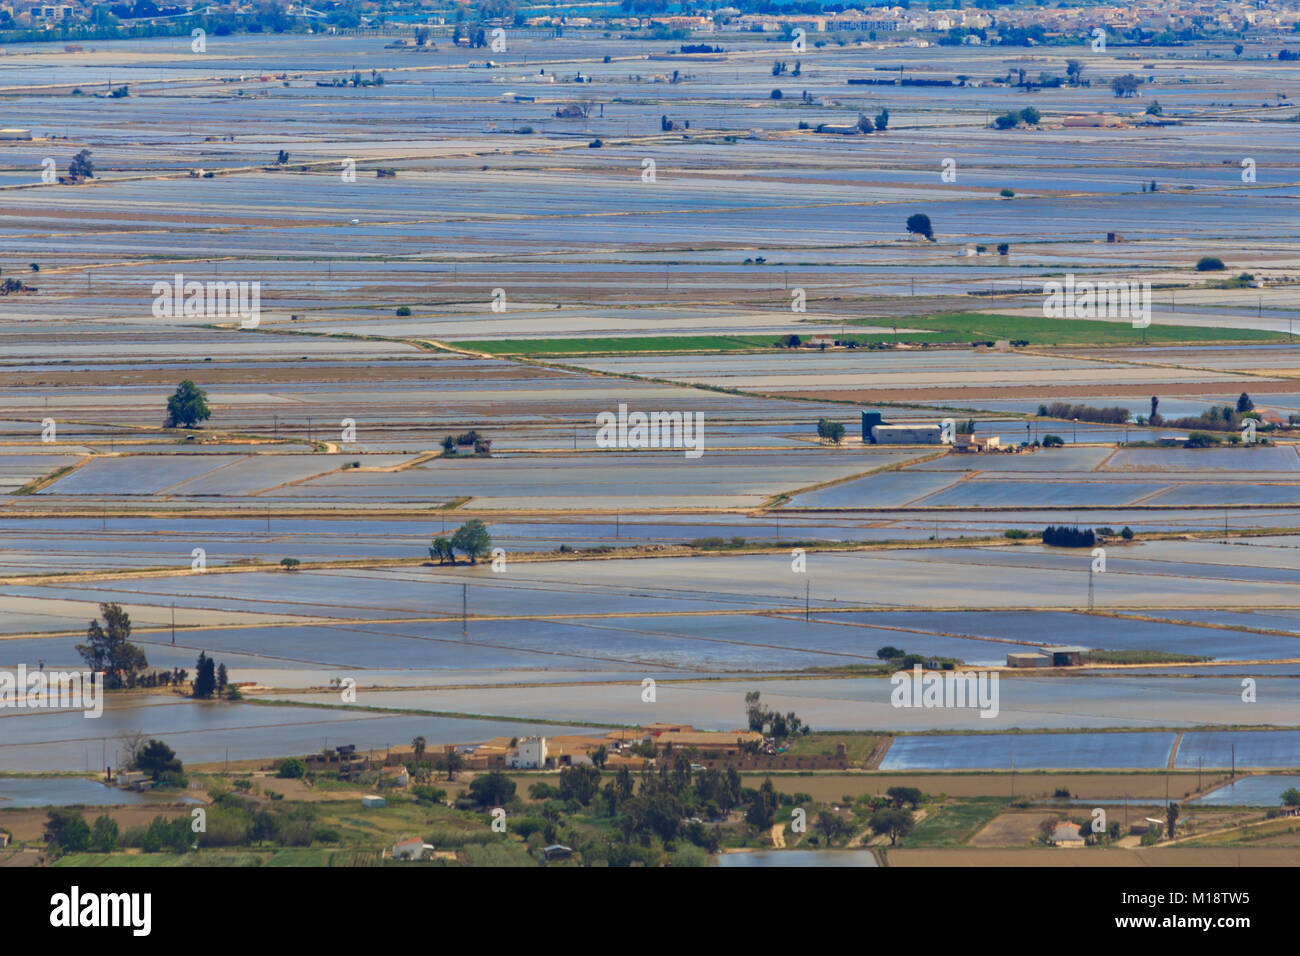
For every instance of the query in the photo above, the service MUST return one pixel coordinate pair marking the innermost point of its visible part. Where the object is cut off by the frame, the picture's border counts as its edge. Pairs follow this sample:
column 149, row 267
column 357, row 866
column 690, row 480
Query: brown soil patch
column 28, row 824
column 1011, row 829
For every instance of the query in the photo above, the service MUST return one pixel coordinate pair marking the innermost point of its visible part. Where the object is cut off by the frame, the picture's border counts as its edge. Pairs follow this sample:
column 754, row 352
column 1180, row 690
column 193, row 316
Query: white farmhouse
column 530, row 755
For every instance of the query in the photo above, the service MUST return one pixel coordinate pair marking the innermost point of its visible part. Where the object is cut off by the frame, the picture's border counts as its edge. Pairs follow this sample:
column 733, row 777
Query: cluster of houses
column 541, row 753
column 615, row 749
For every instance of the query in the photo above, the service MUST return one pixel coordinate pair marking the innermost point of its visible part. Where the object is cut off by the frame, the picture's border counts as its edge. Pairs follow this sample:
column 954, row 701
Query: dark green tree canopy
column 188, row 406
column 108, row 647
column 918, row 224
column 471, row 539
column 156, row 759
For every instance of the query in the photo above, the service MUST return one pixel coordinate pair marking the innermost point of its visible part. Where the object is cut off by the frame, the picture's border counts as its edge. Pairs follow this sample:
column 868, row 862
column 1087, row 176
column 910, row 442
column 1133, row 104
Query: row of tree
column 470, row 539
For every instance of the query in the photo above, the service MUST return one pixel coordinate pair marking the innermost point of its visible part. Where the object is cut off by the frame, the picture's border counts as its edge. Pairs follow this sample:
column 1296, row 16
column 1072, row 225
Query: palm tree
column 418, row 745
column 454, row 761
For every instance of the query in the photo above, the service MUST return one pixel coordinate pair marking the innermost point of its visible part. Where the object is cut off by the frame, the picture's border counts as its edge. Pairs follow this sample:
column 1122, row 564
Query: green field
column 952, row 824
column 979, row 326
column 620, row 345
column 946, row 328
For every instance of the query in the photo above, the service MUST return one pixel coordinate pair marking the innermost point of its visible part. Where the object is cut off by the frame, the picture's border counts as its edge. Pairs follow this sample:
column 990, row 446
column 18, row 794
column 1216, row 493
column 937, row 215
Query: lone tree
column 188, row 406
column 829, row 429
column 1126, row 85
column 895, row 823
column 918, row 224
column 157, row 759
column 81, row 165
column 472, row 539
column 109, row 649
column 1244, row 404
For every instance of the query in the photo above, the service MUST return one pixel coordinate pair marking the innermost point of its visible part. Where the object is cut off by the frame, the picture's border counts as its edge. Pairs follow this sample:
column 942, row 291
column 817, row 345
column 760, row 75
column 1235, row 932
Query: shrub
column 1209, row 264
column 829, row 429
column 1015, row 534
column 1126, row 533
column 1066, row 537
column 292, row 768
column 404, row 310
column 1053, row 441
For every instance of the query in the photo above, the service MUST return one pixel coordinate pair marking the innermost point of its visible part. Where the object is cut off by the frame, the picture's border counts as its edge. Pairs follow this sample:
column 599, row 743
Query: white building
column 530, row 755
column 412, row 849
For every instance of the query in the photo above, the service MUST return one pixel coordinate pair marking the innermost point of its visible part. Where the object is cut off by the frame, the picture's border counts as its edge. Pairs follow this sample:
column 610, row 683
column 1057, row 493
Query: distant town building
column 1067, row 835
column 412, row 849
column 531, row 754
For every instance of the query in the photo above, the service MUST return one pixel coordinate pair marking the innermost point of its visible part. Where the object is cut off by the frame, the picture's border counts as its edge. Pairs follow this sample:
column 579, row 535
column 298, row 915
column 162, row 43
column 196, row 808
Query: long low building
column 1027, row 659
column 906, row 434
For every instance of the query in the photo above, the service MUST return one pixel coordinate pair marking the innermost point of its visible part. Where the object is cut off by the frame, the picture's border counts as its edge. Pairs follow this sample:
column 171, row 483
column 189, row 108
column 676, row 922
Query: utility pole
column 807, row 591
column 464, row 609
column 173, row 622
